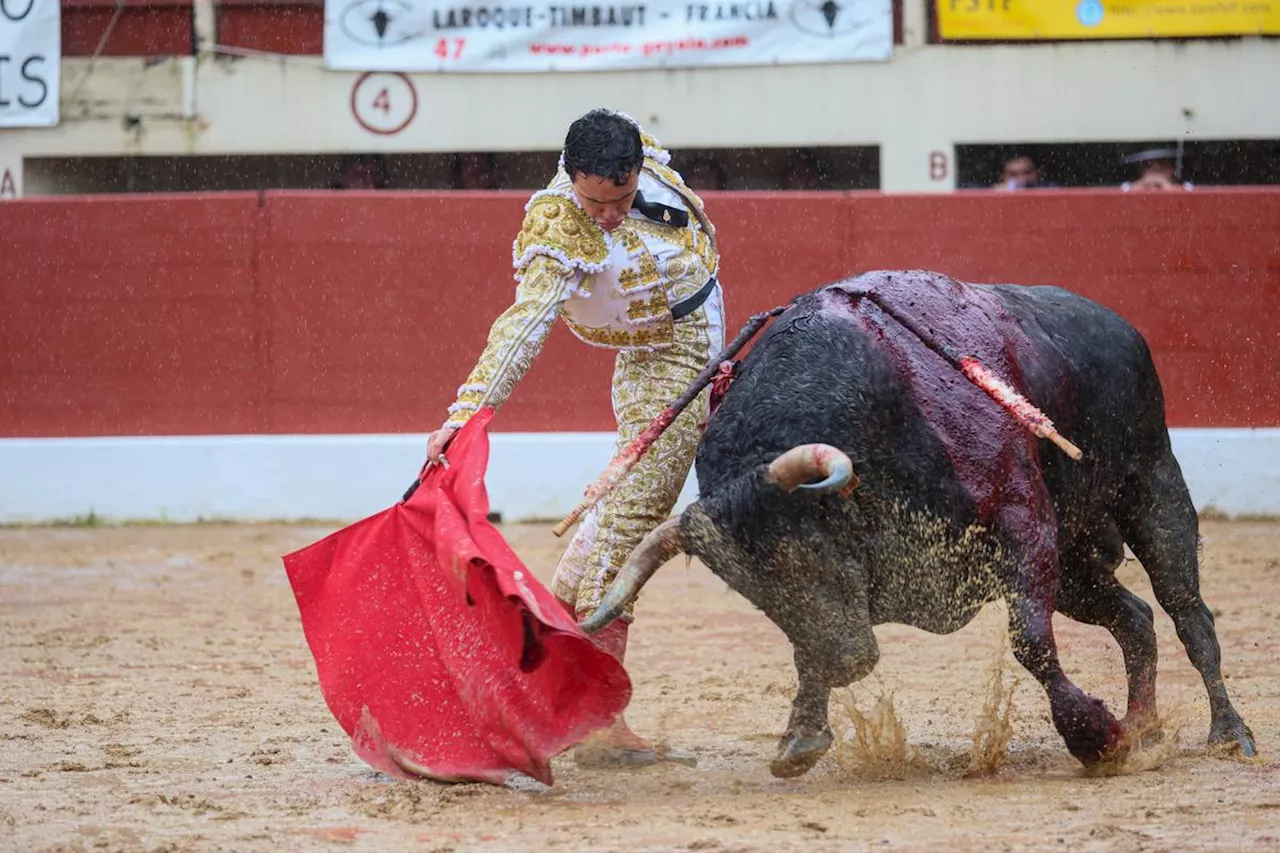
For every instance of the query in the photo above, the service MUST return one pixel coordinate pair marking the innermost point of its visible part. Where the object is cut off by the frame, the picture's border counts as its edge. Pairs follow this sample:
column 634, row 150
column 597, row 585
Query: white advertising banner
column 522, row 37
column 30, row 62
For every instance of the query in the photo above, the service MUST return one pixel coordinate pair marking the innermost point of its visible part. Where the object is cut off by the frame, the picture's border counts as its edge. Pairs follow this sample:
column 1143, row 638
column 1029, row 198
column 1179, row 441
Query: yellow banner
column 1105, row 19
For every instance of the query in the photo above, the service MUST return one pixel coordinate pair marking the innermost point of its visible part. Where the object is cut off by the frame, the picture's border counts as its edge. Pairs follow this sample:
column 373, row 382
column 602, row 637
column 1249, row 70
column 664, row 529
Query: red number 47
column 449, row 48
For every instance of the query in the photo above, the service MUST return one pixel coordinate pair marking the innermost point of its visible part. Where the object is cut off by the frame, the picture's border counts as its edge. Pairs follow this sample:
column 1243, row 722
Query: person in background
column 622, row 250
column 1020, row 172
column 1158, row 171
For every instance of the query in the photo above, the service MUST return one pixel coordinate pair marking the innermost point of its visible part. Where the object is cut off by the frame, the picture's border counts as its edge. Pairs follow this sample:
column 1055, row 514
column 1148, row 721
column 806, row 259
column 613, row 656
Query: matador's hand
column 436, row 444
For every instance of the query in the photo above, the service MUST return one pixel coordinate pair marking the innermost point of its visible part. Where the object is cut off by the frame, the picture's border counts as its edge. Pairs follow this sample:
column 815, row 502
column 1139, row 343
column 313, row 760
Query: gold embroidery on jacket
column 515, row 338
column 686, row 238
column 554, row 225
column 647, row 309
column 651, row 336
column 672, row 177
column 642, row 270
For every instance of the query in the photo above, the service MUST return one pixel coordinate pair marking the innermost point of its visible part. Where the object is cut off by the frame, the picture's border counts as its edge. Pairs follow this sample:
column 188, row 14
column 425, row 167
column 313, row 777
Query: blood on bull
column 854, row 473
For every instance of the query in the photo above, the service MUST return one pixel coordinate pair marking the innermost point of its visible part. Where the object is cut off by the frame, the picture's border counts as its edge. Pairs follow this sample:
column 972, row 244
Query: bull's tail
column 625, row 460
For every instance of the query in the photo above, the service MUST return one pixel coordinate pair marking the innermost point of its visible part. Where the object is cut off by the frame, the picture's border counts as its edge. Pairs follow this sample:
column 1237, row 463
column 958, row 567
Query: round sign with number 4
column 384, row 103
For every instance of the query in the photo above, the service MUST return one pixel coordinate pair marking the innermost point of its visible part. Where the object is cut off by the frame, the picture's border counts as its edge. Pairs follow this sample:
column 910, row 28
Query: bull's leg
column 1159, row 522
column 808, row 735
column 1091, row 594
column 1086, row 726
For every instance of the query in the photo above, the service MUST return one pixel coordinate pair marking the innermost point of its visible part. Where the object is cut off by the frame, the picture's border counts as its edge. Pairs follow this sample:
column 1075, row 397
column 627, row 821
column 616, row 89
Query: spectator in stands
column 361, row 172
column 1020, row 172
column 618, row 247
column 1158, row 171
column 475, row 171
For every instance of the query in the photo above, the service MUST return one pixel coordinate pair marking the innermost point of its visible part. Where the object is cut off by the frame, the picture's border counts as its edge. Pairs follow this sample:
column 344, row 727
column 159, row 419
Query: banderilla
column 627, row 459
column 1022, row 410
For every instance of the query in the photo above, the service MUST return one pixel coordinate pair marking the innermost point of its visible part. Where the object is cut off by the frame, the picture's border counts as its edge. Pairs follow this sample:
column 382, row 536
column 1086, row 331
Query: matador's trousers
column 644, row 383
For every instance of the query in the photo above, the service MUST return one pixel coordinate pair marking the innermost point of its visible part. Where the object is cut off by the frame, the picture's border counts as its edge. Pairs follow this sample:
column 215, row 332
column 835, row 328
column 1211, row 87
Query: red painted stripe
column 139, row 28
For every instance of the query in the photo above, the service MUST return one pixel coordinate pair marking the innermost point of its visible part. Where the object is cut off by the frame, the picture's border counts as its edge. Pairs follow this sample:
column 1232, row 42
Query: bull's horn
column 663, row 542
column 795, row 468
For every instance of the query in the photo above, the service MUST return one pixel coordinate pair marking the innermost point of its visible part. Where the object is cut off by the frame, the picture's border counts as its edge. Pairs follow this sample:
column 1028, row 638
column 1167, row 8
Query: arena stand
column 281, row 355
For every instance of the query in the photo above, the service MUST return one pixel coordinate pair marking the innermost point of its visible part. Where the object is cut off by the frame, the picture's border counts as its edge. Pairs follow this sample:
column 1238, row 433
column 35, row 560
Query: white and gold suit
column 615, row 290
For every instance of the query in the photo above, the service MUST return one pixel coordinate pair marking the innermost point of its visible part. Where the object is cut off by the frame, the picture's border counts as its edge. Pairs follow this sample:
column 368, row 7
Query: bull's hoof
column 798, row 753
column 1091, row 734
column 1232, row 739
column 1106, row 746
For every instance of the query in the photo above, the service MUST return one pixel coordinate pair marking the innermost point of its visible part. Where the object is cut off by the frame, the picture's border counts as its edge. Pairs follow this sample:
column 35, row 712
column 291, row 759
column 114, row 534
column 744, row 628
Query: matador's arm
column 515, row 338
column 557, row 247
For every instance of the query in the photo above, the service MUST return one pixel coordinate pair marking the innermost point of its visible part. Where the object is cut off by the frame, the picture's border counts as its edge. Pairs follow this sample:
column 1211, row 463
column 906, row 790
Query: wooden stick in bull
column 625, row 460
column 1010, row 400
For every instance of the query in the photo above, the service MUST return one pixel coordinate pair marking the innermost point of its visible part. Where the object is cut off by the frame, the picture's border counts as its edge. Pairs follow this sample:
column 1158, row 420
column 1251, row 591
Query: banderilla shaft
column 1010, row 400
column 625, row 460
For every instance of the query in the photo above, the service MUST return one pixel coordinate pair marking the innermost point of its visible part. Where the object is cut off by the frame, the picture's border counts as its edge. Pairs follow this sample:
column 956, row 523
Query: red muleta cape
column 437, row 651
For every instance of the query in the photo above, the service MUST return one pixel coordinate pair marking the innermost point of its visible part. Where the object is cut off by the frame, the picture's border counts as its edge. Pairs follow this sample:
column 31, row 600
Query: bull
column 851, row 477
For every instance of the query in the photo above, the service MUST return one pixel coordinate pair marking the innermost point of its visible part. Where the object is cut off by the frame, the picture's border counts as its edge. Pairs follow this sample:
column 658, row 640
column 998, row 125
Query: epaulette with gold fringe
column 556, row 226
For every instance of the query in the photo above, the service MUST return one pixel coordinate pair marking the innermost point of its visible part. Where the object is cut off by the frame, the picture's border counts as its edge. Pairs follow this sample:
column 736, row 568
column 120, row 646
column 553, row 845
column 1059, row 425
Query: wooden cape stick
column 625, row 460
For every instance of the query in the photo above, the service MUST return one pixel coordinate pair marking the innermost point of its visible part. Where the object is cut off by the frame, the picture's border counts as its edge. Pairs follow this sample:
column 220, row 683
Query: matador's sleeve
column 557, row 246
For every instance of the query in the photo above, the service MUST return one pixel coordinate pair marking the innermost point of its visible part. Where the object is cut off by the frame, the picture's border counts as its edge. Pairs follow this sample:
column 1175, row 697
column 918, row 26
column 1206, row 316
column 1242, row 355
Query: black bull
column 956, row 505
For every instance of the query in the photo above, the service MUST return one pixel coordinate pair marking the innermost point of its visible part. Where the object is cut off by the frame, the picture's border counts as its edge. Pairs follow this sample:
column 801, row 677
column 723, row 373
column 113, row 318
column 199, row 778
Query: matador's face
column 604, row 199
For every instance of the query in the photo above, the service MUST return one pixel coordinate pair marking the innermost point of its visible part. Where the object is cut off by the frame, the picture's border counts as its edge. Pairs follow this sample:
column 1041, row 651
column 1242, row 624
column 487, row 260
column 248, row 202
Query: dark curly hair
column 605, row 144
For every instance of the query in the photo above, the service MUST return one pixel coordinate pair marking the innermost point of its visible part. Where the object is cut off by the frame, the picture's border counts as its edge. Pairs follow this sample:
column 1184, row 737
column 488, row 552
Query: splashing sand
column 993, row 729
column 873, row 747
column 1145, row 746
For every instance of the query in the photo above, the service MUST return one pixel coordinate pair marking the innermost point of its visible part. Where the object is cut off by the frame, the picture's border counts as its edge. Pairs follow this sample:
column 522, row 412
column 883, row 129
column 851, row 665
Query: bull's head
column 797, row 468
column 816, row 601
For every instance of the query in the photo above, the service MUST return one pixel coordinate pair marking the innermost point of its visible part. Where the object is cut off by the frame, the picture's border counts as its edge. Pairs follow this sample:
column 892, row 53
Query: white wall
column 926, row 99
column 347, row 477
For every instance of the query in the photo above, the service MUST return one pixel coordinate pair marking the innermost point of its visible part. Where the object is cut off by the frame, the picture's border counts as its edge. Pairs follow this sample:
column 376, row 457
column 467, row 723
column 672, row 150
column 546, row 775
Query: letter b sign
column 938, row 166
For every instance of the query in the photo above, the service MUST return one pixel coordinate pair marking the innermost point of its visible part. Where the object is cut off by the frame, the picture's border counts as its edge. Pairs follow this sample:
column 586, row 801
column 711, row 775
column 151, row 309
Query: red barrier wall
column 363, row 312
column 131, row 27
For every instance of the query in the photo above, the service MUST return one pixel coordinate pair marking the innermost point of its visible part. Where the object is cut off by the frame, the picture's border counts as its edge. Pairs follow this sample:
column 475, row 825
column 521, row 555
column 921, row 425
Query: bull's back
column 815, row 376
column 1092, row 374
column 812, row 377
column 1090, row 366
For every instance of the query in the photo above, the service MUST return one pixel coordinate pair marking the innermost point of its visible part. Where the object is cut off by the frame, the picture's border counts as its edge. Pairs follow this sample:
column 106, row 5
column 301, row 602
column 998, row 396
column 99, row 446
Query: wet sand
column 158, row 695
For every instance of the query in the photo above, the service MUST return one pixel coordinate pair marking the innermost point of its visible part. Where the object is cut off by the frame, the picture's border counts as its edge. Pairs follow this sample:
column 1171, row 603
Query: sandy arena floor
column 158, row 695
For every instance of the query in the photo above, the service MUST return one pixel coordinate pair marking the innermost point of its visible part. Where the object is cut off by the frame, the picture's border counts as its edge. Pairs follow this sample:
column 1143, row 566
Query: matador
column 622, row 250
